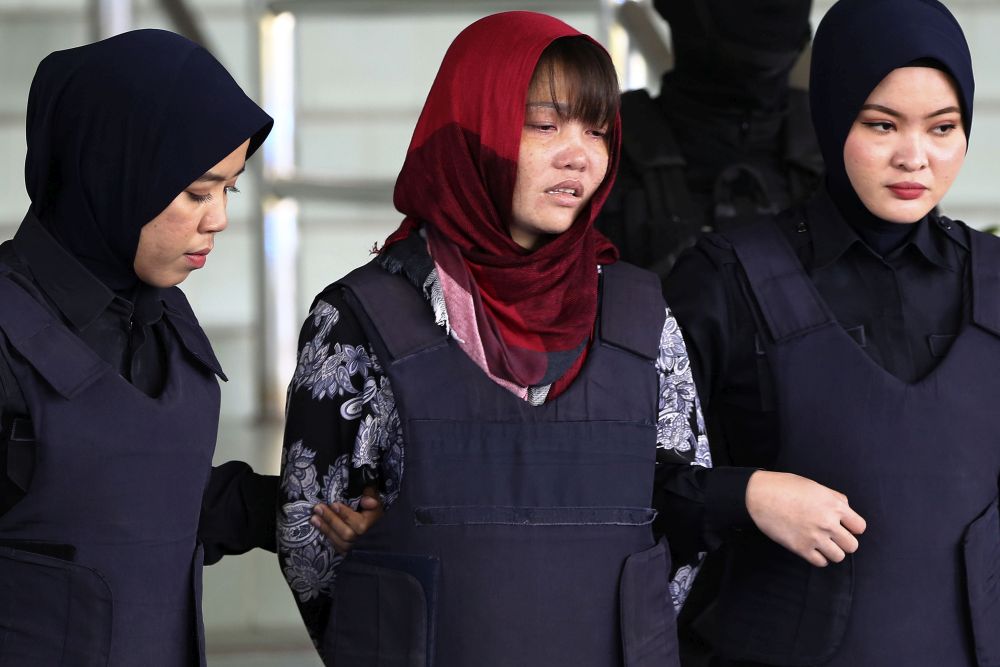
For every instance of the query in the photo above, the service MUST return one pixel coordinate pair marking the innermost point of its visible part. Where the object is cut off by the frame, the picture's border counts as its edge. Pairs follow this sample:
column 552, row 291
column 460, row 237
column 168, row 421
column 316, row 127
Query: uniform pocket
column 55, row 612
column 939, row 344
column 383, row 611
column 648, row 622
column 981, row 550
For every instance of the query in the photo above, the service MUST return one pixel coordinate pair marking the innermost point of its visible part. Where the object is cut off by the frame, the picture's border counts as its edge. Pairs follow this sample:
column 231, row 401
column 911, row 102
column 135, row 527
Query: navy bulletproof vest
column 919, row 461
column 106, row 568
column 521, row 535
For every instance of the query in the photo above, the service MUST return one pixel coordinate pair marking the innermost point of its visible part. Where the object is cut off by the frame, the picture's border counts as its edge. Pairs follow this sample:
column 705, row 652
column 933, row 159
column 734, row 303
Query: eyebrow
column 546, row 105
column 896, row 114
column 212, row 177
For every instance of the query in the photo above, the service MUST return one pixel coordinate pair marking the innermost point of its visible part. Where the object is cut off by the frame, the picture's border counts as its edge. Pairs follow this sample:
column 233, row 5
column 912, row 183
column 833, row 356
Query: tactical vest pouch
column 20, row 462
column 778, row 609
column 383, row 611
column 981, row 550
column 648, row 622
column 52, row 612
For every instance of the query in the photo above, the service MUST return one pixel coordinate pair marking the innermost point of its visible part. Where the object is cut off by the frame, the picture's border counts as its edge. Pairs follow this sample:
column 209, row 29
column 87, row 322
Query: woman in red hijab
column 500, row 382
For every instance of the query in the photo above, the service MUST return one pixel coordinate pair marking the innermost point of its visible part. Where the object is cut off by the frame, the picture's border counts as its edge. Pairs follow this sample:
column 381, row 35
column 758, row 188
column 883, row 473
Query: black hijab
column 735, row 54
column 116, row 129
column 857, row 44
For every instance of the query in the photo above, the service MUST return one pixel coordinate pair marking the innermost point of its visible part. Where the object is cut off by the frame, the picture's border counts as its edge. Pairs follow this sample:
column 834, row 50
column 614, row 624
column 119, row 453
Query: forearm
column 700, row 508
column 238, row 511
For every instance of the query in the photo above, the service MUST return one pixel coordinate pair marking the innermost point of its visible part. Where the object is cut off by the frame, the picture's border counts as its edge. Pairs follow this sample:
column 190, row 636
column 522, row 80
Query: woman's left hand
column 343, row 525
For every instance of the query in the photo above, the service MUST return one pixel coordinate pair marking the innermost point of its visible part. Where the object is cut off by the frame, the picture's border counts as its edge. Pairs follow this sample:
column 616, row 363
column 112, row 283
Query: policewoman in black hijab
column 848, row 358
column 110, row 398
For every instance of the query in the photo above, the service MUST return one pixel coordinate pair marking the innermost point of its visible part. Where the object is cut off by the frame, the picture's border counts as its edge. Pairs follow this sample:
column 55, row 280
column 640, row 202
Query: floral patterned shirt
column 343, row 432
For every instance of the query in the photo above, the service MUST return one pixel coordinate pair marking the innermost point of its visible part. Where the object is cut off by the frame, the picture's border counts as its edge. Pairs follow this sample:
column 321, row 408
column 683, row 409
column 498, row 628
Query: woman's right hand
column 810, row 520
column 343, row 525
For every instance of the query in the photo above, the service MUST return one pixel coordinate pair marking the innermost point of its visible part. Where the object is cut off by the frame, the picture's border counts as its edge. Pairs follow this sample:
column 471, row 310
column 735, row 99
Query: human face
column 178, row 240
column 907, row 145
column 561, row 163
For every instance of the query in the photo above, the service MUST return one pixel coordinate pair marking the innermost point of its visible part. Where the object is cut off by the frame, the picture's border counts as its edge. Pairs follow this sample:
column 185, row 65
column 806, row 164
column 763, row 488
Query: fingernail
column 314, row 521
column 318, row 509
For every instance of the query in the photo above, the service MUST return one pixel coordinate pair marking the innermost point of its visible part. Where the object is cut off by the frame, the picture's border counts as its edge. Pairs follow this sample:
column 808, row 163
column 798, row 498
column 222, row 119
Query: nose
column 216, row 218
column 911, row 153
column 572, row 154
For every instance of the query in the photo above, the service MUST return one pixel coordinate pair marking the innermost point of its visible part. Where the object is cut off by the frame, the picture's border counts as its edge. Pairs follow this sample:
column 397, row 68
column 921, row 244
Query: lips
column 566, row 193
column 907, row 190
column 198, row 258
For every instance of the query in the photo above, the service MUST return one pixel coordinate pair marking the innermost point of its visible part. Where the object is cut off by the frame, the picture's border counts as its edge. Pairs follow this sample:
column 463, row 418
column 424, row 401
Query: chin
column 557, row 227
column 166, row 282
column 902, row 214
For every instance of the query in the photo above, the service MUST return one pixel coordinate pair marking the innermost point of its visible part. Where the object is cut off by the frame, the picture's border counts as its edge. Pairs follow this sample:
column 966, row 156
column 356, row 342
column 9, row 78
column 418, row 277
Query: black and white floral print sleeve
column 680, row 427
column 681, row 437
column 342, row 433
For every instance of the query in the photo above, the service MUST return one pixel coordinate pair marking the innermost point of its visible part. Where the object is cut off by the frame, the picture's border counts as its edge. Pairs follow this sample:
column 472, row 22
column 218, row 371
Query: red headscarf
column 458, row 182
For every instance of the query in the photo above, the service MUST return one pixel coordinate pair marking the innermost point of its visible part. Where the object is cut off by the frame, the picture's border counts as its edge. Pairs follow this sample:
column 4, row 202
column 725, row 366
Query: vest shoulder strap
column 786, row 297
column 389, row 301
column 632, row 309
column 985, row 258
column 60, row 357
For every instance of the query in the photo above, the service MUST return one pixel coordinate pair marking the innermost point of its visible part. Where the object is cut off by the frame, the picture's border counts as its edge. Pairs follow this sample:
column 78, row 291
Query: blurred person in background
column 727, row 139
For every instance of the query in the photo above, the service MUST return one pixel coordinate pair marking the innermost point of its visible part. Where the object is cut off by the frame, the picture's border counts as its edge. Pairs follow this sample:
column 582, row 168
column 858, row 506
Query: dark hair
column 589, row 75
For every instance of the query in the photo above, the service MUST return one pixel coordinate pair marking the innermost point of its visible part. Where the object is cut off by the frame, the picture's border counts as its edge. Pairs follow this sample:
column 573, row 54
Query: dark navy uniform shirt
column 238, row 507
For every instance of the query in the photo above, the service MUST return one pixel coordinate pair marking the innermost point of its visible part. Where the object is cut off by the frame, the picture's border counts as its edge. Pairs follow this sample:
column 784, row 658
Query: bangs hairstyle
column 589, row 77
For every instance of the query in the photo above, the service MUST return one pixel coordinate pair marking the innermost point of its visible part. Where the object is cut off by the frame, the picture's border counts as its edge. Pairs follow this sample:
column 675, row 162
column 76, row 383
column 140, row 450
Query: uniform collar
column 189, row 332
column 78, row 294
column 832, row 236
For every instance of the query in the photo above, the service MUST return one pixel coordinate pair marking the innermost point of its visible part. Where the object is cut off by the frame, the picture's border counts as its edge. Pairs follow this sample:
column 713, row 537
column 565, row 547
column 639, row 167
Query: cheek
column 599, row 161
column 144, row 252
column 951, row 162
column 163, row 235
column 860, row 159
column 527, row 163
column 527, row 172
column 150, row 244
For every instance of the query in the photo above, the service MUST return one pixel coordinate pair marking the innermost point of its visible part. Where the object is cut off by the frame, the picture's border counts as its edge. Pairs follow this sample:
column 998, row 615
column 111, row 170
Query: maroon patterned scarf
column 525, row 317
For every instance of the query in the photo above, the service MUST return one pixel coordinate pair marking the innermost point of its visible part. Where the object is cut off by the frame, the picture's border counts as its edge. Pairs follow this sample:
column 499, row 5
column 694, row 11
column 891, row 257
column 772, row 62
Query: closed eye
column 205, row 198
column 882, row 126
column 197, row 198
